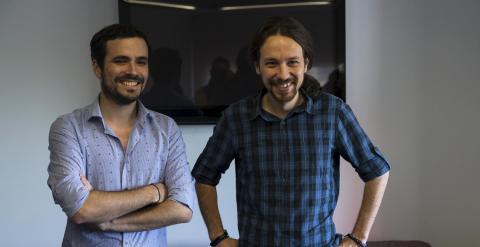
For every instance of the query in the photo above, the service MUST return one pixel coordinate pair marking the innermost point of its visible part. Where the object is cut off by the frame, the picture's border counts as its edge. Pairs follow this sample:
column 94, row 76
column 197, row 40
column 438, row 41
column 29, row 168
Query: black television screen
column 200, row 62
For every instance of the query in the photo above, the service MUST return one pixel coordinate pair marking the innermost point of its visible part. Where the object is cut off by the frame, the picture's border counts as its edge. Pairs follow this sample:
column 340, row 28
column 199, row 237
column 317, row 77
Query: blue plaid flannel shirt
column 287, row 170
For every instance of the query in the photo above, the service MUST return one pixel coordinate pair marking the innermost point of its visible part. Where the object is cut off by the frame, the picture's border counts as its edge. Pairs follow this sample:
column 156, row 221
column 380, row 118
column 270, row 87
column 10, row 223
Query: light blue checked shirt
column 82, row 143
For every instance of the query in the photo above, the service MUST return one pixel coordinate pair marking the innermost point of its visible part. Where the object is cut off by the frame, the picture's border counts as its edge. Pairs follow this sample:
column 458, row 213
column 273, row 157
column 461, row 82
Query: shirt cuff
column 373, row 168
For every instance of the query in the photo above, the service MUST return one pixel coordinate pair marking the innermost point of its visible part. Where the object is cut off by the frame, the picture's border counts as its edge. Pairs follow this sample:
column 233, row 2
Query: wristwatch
column 220, row 238
column 356, row 240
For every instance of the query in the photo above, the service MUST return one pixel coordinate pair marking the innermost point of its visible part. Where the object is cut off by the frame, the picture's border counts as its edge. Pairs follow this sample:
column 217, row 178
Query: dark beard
column 278, row 82
column 117, row 97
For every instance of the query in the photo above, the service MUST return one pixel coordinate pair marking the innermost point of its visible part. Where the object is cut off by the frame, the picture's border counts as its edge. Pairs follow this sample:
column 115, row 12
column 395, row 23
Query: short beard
column 277, row 82
column 113, row 95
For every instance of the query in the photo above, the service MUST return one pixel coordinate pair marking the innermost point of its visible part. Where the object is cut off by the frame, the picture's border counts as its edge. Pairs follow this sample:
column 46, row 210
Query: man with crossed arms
column 118, row 170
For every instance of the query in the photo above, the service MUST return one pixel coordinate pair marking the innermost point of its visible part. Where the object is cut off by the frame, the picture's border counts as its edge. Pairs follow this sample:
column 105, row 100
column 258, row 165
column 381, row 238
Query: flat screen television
column 199, row 61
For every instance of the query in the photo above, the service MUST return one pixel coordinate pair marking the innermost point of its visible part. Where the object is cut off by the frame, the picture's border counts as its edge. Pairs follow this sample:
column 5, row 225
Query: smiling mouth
column 130, row 83
column 285, row 85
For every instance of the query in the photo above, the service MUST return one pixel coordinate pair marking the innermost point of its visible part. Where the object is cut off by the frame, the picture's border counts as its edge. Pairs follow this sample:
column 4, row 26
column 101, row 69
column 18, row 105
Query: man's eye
column 120, row 61
column 270, row 64
column 142, row 62
column 293, row 63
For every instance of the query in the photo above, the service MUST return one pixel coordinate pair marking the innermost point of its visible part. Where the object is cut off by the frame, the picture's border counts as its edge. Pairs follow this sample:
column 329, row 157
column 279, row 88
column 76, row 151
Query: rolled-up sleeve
column 66, row 165
column 355, row 146
column 179, row 181
column 217, row 155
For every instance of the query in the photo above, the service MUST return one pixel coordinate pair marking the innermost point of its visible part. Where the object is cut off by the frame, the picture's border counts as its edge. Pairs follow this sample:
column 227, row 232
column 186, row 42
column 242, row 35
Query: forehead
column 278, row 46
column 131, row 47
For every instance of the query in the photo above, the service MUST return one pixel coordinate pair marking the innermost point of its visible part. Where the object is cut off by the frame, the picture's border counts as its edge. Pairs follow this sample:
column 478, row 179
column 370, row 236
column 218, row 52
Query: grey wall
column 450, row 123
column 411, row 81
column 44, row 72
column 383, row 83
column 412, row 69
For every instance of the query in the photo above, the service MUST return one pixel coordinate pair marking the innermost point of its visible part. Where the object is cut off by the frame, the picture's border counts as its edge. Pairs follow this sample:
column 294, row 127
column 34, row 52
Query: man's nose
column 283, row 72
column 132, row 68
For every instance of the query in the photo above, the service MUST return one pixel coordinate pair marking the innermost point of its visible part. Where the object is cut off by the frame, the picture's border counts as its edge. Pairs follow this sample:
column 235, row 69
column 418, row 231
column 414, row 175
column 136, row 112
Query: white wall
column 383, row 82
column 450, row 123
column 195, row 233
column 45, row 72
column 411, row 81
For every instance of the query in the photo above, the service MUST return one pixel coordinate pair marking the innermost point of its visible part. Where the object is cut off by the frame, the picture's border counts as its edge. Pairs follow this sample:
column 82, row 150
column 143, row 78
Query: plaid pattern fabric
column 287, row 171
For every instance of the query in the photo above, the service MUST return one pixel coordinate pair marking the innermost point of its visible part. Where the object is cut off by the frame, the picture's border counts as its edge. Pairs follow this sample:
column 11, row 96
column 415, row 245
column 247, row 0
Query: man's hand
column 346, row 242
column 86, row 183
column 161, row 188
column 229, row 242
column 104, row 226
column 103, row 206
column 163, row 192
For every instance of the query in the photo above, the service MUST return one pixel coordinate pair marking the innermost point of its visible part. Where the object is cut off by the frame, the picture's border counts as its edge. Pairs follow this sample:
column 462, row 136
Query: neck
column 280, row 109
column 115, row 114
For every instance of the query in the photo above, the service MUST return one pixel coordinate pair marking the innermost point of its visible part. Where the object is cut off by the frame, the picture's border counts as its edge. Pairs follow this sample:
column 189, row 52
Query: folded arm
column 155, row 216
column 177, row 208
column 83, row 204
column 102, row 206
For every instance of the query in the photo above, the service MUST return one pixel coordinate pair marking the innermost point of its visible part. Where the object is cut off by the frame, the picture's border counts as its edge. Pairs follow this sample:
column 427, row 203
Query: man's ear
column 96, row 69
column 307, row 62
column 257, row 67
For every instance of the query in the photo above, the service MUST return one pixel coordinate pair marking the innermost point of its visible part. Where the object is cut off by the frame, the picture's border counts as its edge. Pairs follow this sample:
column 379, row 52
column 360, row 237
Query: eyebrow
column 274, row 59
column 270, row 59
column 295, row 57
column 120, row 57
column 128, row 58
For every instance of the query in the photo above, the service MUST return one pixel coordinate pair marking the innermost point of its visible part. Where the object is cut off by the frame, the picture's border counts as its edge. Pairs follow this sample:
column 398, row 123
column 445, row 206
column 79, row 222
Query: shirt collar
column 143, row 114
column 94, row 112
column 257, row 104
